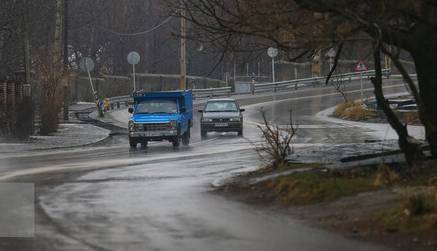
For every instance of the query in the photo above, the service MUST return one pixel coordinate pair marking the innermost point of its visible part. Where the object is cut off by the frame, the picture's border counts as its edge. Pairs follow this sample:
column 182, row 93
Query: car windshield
column 221, row 106
column 156, row 106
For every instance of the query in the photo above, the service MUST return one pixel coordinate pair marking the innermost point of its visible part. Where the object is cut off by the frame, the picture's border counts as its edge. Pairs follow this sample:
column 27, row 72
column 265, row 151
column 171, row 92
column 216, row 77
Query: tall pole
column 133, row 70
column 183, row 59
column 361, row 87
column 274, row 90
column 27, row 99
column 235, row 72
column 273, row 71
column 65, row 30
column 65, row 54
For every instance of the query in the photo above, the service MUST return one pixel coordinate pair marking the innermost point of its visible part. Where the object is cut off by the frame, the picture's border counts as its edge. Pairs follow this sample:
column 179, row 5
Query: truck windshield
column 221, row 106
column 156, row 106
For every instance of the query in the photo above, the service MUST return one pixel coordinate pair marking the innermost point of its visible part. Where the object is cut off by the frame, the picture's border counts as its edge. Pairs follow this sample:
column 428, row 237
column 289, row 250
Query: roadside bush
column 352, row 110
column 416, row 213
column 276, row 140
column 386, row 176
column 421, row 203
column 51, row 76
column 410, row 118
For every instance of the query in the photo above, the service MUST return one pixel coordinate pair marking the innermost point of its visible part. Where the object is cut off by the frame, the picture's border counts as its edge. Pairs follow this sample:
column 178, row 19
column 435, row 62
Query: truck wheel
column 186, row 138
column 203, row 133
column 176, row 142
column 132, row 143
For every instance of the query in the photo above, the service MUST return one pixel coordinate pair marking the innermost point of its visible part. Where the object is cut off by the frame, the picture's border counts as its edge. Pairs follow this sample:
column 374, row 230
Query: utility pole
column 65, row 59
column 27, row 87
column 183, row 59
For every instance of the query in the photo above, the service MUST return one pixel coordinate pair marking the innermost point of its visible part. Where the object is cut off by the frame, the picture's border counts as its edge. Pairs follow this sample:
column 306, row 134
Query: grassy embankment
column 417, row 193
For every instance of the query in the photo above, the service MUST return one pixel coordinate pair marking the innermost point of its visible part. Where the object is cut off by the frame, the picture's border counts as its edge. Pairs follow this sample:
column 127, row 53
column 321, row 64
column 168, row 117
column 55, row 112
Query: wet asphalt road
column 108, row 197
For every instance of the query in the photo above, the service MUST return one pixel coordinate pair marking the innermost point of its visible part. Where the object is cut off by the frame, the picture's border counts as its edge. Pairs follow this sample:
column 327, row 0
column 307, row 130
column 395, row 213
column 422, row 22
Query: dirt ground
column 354, row 217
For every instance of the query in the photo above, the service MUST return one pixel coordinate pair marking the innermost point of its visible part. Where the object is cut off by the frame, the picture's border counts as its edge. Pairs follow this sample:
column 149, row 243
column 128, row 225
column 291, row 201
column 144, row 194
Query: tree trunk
column 408, row 145
column 425, row 58
column 57, row 48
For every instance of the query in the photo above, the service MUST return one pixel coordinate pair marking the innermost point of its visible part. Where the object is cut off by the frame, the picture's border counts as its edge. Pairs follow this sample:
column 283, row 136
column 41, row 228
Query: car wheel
column 144, row 144
column 203, row 133
column 240, row 133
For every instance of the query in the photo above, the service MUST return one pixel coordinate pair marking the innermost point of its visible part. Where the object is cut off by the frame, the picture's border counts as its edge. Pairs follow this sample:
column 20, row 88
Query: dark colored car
column 221, row 115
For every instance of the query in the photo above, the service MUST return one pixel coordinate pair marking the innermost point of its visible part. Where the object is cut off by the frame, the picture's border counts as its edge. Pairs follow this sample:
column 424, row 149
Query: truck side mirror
column 183, row 109
column 130, row 110
column 200, row 111
column 242, row 110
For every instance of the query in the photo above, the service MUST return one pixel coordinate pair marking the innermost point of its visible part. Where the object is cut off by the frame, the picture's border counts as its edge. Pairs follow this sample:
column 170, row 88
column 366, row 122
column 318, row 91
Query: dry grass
column 314, row 187
column 352, row 111
column 410, row 118
column 386, row 176
column 417, row 212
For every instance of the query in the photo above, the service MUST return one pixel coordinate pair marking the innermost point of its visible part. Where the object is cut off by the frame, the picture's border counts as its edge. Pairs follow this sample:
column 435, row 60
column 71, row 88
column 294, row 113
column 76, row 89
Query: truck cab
column 158, row 116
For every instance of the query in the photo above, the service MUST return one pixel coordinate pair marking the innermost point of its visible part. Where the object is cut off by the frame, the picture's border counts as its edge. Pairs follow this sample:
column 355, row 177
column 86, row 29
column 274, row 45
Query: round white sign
column 86, row 64
column 272, row 52
column 133, row 57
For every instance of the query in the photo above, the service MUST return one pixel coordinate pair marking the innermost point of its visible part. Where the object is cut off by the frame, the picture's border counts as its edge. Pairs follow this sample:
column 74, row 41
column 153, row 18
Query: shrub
column 353, row 111
column 386, row 176
column 276, row 141
column 410, row 118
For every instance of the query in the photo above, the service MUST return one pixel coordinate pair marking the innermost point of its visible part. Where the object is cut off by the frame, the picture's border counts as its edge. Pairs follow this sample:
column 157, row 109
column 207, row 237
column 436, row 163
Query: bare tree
column 306, row 26
column 276, row 140
column 51, row 76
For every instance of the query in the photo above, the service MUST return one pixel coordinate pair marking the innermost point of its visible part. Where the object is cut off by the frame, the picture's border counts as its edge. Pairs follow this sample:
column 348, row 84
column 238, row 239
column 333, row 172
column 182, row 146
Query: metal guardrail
column 124, row 101
column 316, row 81
column 119, row 101
column 212, row 92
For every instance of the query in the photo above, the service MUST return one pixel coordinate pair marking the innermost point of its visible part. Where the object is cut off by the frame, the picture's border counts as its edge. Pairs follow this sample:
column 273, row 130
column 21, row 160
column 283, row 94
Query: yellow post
column 316, row 66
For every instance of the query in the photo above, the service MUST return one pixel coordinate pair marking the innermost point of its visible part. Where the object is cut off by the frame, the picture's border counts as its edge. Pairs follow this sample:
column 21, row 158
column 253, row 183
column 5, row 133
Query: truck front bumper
column 221, row 127
column 153, row 135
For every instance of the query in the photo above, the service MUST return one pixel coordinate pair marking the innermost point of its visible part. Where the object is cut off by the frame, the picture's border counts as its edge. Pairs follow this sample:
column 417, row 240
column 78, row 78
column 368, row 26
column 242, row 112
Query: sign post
column 360, row 67
column 133, row 58
column 331, row 55
column 87, row 64
column 273, row 52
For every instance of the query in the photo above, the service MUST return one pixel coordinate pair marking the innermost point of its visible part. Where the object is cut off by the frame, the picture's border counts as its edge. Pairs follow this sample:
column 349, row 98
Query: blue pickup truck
column 158, row 116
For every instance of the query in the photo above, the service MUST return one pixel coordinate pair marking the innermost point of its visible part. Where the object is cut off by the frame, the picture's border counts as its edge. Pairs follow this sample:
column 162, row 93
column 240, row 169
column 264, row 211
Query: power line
column 137, row 33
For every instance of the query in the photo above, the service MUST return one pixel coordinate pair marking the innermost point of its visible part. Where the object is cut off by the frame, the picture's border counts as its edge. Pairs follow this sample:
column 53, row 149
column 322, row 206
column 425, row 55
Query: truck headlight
column 131, row 125
column 173, row 124
column 206, row 120
column 236, row 119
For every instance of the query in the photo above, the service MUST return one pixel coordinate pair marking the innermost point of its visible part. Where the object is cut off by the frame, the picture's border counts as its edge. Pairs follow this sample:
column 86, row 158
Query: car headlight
column 236, row 119
column 206, row 120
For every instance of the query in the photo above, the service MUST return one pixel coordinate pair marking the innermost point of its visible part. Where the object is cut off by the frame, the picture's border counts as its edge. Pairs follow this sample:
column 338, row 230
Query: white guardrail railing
column 316, row 81
column 119, row 101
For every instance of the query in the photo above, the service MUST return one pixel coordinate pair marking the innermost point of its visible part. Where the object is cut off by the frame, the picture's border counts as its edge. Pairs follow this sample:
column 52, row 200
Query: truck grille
column 157, row 127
